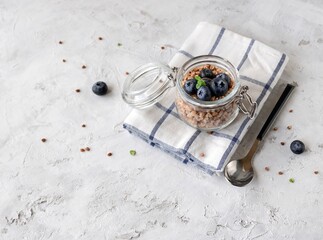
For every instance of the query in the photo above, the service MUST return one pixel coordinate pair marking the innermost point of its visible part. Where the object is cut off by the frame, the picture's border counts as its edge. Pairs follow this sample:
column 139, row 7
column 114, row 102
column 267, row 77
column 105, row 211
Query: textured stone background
column 53, row 191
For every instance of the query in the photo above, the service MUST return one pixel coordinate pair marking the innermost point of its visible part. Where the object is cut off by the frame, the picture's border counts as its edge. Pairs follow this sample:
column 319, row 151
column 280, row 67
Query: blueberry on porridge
column 220, row 87
column 190, row 86
column 206, row 73
column 204, row 93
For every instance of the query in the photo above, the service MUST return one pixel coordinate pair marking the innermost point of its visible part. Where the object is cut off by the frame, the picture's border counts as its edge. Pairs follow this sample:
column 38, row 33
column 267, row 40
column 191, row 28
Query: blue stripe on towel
column 272, row 78
column 175, row 114
column 246, row 54
column 254, row 81
column 191, row 140
column 223, row 135
column 243, row 125
column 186, row 53
column 160, row 121
column 217, row 41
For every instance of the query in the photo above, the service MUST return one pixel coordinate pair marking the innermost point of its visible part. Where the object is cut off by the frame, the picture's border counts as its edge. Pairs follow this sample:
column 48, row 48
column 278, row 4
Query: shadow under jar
column 149, row 83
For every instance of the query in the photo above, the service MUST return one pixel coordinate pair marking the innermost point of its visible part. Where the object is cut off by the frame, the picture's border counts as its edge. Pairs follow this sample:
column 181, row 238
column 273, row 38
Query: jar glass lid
column 147, row 84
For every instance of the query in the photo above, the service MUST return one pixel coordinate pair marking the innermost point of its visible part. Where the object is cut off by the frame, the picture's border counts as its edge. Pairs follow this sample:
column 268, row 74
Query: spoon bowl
column 237, row 175
column 240, row 172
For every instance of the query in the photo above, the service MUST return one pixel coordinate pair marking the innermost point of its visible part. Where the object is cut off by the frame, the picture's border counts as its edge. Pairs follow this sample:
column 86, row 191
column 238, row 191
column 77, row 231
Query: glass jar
column 149, row 83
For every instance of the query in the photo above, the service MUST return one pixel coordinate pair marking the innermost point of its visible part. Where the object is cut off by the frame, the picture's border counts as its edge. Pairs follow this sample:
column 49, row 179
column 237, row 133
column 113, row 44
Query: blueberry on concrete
column 100, row 88
column 204, row 93
column 297, row 147
column 190, row 86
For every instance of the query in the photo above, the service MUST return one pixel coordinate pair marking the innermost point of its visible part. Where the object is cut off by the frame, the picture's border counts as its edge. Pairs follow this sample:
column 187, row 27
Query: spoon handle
column 274, row 113
column 247, row 159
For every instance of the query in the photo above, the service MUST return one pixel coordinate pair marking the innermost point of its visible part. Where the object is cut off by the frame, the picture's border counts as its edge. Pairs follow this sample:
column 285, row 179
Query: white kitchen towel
column 260, row 68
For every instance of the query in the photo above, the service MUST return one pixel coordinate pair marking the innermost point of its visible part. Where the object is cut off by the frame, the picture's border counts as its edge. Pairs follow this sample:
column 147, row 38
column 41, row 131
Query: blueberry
column 204, row 93
column 100, row 88
column 224, row 77
column 190, row 86
column 211, row 85
column 297, row 147
column 220, row 87
column 206, row 73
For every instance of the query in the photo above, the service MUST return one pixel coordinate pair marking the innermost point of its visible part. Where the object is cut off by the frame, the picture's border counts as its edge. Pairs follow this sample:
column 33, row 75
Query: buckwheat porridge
column 207, row 83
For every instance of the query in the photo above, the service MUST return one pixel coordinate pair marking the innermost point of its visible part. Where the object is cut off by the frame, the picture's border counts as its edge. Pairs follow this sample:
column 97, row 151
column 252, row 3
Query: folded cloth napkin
column 259, row 66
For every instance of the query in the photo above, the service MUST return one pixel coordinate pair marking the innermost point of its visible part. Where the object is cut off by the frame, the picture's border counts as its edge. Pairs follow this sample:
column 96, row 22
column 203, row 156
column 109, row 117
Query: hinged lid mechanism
column 147, row 85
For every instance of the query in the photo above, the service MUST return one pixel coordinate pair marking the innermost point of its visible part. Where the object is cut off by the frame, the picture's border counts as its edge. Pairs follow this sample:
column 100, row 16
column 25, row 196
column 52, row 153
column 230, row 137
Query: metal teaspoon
column 240, row 172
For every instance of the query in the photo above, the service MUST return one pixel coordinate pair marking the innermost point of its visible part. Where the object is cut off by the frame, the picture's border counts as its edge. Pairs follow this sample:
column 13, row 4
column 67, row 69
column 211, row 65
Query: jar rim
column 217, row 61
column 147, row 84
